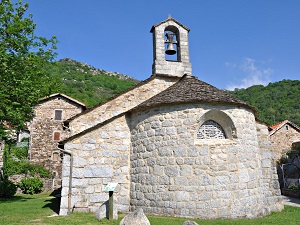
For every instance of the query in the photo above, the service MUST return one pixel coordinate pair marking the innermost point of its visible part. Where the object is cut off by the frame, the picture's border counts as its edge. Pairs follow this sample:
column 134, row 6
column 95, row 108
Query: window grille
column 211, row 130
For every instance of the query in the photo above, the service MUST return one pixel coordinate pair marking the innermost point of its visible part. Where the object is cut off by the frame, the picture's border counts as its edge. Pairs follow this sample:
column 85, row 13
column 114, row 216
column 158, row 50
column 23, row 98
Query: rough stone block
column 103, row 212
column 136, row 217
column 99, row 197
column 182, row 196
column 180, row 152
column 98, row 171
column 78, row 172
column 79, row 182
column 171, row 171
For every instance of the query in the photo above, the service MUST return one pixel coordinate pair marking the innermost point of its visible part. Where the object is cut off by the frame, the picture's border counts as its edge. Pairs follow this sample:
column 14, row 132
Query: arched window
column 216, row 124
column 211, row 130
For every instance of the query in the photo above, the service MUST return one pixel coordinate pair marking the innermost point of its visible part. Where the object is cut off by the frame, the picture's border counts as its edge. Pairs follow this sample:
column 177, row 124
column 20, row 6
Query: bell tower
column 171, row 48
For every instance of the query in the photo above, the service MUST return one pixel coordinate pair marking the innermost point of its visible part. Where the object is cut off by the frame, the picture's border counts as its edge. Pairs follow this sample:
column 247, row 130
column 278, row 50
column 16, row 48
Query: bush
column 11, row 167
column 20, row 153
column 293, row 187
column 31, row 185
column 39, row 170
column 7, row 189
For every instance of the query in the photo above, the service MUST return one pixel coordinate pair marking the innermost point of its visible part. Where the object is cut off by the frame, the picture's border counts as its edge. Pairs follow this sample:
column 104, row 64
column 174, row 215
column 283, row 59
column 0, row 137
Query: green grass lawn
column 36, row 209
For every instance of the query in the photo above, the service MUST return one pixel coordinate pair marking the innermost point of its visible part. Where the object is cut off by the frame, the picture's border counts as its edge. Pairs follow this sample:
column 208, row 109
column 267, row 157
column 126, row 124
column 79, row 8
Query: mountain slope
column 275, row 102
column 86, row 83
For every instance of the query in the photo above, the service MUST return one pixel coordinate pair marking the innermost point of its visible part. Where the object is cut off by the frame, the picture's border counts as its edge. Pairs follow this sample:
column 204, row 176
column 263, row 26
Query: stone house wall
column 100, row 156
column 269, row 180
column 173, row 173
column 121, row 103
column 43, row 148
column 282, row 140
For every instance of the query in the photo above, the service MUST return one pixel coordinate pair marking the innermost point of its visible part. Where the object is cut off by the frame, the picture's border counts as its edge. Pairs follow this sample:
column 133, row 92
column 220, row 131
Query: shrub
column 35, row 169
column 11, row 167
column 16, row 162
column 7, row 189
column 19, row 152
column 31, row 185
column 293, row 187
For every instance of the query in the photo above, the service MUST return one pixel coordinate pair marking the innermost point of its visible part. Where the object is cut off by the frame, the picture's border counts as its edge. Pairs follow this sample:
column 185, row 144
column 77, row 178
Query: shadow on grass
column 15, row 199
column 53, row 203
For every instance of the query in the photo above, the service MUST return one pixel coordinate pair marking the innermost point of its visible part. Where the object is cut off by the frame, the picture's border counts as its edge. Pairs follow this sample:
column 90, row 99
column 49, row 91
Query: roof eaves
column 169, row 19
column 152, row 77
column 141, row 108
column 91, row 129
column 279, row 125
column 62, row 95
column 111, row 98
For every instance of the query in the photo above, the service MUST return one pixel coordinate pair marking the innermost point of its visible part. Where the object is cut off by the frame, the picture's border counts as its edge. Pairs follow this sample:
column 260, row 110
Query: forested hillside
column 275, row 102
column 86, row 83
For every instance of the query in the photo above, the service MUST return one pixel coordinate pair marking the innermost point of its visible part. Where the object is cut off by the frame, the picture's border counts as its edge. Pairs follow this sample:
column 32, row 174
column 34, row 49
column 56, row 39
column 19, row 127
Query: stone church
column 175, row 145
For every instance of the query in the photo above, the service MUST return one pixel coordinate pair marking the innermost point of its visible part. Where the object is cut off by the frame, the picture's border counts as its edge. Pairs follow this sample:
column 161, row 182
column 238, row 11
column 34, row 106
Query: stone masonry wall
column 121, row 104
column 173, row 173
column 282, row 140
column 270, row 181
column 100, row 156
column 42, row 146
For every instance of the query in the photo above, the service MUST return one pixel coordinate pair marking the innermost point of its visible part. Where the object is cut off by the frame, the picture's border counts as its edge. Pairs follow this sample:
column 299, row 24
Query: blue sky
column 233, row 43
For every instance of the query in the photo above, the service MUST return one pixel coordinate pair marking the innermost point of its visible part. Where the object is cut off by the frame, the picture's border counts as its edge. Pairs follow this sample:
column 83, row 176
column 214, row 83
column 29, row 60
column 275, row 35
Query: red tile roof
column 277, row 126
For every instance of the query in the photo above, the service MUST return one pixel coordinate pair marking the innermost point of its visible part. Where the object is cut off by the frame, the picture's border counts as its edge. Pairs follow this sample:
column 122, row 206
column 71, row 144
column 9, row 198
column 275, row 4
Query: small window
column 211, row 130
column 55, row 156
column 287, row 127
column 58, row 114
column 56, row 136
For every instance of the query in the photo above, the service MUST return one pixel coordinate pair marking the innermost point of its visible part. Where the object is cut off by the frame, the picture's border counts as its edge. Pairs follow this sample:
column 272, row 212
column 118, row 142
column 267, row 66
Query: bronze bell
column 170, row 49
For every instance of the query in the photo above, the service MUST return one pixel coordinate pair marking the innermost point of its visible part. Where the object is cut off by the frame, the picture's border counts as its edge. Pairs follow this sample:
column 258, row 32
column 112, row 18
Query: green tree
column 22, row 58
column 275, row 102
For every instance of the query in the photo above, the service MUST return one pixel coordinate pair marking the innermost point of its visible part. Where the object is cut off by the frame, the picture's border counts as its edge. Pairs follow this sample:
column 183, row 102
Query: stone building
column 282, row 136
column 174, row 144
column 46, row 131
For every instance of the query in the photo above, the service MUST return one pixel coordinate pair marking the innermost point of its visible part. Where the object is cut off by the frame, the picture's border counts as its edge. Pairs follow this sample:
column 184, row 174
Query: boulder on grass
column 188, row 222
column 135, row 218
column 103, row 212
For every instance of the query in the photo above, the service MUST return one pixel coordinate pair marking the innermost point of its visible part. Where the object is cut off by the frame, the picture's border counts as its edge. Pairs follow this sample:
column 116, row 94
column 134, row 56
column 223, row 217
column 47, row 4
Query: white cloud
column 230, row 65
column 252, row 74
